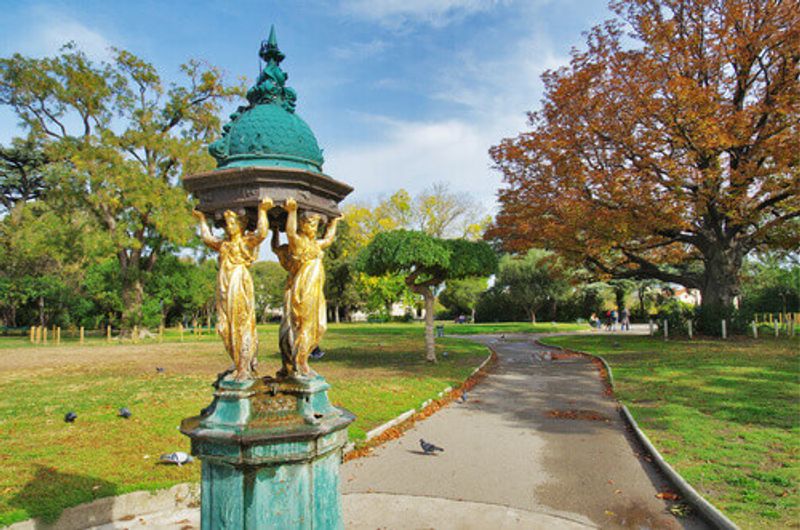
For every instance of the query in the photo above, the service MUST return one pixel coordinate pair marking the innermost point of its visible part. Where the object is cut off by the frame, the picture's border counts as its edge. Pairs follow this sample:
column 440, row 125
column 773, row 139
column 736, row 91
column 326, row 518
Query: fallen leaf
column 610, row 513
column 617, row 491
column 667, row 496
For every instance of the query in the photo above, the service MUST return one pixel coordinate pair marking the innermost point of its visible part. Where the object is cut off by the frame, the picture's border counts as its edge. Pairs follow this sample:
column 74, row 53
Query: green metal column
column 270, row 451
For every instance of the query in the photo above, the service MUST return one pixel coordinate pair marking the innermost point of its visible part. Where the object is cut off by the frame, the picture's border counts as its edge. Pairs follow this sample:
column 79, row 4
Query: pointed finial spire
column 269, row 48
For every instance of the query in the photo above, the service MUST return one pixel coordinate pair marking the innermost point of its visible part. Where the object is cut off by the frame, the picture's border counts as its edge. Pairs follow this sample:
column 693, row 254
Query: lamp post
column 270, row 446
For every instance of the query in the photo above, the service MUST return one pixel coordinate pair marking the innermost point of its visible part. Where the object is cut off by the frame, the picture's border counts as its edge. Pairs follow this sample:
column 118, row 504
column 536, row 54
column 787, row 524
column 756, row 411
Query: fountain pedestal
column 270, row 451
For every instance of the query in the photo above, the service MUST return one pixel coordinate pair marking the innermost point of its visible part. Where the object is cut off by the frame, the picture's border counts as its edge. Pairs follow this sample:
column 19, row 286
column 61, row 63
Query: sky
column 400, row 93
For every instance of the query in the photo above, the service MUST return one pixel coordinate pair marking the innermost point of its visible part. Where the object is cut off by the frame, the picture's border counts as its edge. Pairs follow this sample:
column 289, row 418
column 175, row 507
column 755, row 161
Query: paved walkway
column 510, row 461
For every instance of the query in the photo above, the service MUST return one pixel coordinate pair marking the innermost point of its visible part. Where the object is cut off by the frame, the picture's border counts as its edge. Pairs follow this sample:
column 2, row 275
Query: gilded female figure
column 236, row 316
column 304, row 318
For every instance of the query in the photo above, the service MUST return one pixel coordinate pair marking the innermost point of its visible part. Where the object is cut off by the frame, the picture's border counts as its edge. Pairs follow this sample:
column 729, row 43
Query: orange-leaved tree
column 668, row 149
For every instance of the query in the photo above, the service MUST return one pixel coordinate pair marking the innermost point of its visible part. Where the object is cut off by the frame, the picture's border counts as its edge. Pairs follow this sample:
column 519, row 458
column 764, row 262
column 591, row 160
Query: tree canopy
column 668, row 149
column 425, row 262
column 123, row 140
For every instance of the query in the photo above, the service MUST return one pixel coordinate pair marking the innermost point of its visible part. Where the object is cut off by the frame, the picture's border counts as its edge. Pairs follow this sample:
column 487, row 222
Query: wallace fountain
column 270, row 446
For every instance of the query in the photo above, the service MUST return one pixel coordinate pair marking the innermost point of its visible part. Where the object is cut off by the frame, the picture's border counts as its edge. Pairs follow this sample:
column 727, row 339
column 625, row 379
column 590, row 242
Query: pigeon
column 70, row 417
column 463, row 398
column 317, row 353
column 124, row 412
column 429, row 448
column 159, row 369
column 178, row 457
column 445, row 354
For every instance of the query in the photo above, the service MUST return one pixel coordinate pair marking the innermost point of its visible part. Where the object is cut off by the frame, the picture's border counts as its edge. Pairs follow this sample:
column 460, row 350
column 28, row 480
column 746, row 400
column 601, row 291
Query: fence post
column 38, row 334
column 652, row 331
column 755, row 330
column 58, row 335
column 135, row 334
column 44, row 335
column 180, row 329
column 666, row 329
column 791, row 324
column 81, row 339
column 33, row 334
column 689, row 326
column 777, row 329
column 724, row 329
column 208, row 322
column 160, row 332
column 108, row 333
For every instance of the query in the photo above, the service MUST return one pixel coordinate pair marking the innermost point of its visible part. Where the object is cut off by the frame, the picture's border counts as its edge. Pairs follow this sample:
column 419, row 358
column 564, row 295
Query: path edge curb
column 409, row 415
column 707, row 511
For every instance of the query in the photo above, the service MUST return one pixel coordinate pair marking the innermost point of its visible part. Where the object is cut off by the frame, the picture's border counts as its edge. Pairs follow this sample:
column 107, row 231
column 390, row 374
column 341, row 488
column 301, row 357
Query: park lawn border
column 130, row 506
column 707, row 511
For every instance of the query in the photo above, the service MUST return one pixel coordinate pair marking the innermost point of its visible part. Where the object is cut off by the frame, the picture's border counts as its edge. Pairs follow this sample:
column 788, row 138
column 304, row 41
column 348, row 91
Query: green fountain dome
column 268, row 132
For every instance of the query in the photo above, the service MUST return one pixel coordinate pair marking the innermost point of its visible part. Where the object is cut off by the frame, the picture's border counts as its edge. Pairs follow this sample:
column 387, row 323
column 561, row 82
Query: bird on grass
column 124, row 412
column 178, row 458
column 70, row 417
column 317, row 353
column 429, row 448
column 159, row 369
column 445, row 354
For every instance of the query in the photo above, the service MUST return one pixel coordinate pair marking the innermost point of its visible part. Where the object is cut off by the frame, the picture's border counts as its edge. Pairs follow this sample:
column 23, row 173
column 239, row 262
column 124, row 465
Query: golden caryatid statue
column 304, row 313
column 236, row 315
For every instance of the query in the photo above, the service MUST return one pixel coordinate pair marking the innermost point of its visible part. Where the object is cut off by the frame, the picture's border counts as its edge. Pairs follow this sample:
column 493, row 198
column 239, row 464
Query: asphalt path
column 537, row 444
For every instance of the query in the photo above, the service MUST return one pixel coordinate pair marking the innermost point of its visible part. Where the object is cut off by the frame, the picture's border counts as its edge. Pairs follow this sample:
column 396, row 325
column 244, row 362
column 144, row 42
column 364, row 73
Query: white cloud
column 50, row 29
column 359, row 50
column 395, row 13
column 493, row 95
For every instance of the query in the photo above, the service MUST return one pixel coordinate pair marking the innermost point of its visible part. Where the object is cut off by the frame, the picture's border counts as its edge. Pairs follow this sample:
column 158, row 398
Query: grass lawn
column 377, row 371
column 509, row 327
column 725, row 415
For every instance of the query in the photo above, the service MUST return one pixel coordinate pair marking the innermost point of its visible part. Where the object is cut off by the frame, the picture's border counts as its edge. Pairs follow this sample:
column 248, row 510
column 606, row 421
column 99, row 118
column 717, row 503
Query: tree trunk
column 41, row 311
column 473, row 315
column 533, row 317
column 720, row 285
column 336, row 313
column 132, row 298
column 430, row 343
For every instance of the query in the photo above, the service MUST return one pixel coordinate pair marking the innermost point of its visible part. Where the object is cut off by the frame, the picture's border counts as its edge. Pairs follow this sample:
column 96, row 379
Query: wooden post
column 33, row 334
column 180, row 330
column 81, row 339
column 689, row 328
column 44, row 335
column 208, row 322
column 108, row 333
column 666, row 329
column 161, row 333
column 652, row 330
column 194, row 327
column 755, row 329
column 38, row 334
column 58, row 335
column 770, row 318
column 777, row 329
column 135, row 334
column 724, row 329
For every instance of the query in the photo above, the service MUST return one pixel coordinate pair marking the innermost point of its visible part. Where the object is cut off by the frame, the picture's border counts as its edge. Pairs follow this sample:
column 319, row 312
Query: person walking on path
column 625, row 319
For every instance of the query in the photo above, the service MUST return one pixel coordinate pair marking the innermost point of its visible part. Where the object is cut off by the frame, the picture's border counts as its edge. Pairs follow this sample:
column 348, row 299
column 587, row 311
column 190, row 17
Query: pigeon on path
column 124, row 412
column 178, row 457
column 463, row 398
column 70, row 417
column 429, row 448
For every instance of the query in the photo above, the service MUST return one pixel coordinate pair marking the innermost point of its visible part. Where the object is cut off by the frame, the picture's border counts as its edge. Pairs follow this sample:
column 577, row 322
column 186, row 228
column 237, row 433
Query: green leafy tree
column 534, row 281
column 126, row 139
column 269, row 283
column 426, row 262
column 22, row 172
column 461, row 296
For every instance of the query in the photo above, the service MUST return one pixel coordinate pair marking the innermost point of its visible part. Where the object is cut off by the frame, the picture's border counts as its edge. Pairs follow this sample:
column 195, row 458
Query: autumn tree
column 126, row 138
column 668, row 149
column 426, row 262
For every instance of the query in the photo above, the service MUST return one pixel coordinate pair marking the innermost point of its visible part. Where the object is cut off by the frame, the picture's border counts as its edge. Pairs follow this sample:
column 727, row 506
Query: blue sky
column 400, row 93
